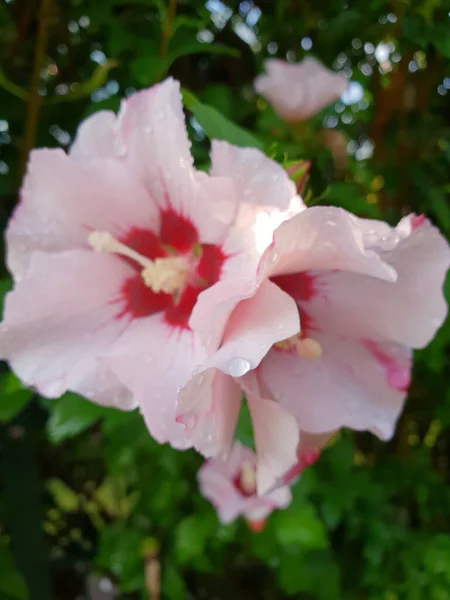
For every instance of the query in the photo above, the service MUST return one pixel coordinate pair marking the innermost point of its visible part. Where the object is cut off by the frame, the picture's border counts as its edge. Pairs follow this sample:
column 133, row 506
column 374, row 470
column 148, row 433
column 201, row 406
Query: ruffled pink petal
column 155, row 144
column 209, row 409
column 61, row 318
column 62, row 201
column 96, row 137
column 322, row 238
column 254, row 326
column 103, row 387
column 259, row 181
column 353, row 384
column 276, row 437
column 154, row 360
column 408, row 311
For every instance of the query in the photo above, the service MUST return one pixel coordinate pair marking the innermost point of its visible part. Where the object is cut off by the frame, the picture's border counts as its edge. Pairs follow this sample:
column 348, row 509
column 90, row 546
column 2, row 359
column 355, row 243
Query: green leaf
column 13, row 397
column 71, row 415
column 148, row 69
column 191, row 537
column 441, row 39
column 300, row 526
column 5, row 287
column 12, row 584
column 65, row 498
column 173, row 586
column 119, row 552
column 217, row 126
column 244, row 429
column 415, row 29
column 200, row 48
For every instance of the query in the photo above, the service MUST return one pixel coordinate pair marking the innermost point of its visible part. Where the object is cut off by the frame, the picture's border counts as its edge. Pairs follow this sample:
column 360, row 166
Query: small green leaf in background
column 65, row 498
column 5, row 287
column 71, row 415
column 217, row 126
column 191, row 537
column 12, row 584
column 300, row 527
column 119, row 553
column 441, row 39
column 173, row 586
column 244, row 428
column 148, row 69
column 200, row 48
column 13, row 397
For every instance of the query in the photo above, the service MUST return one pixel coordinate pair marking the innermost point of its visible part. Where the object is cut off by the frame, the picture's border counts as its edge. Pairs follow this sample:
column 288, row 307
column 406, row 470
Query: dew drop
column 238, row 366
column 119, row 149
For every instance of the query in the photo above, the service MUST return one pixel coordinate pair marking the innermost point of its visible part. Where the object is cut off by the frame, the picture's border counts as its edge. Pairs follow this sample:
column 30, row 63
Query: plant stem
column 35, row 100
column 167, row 28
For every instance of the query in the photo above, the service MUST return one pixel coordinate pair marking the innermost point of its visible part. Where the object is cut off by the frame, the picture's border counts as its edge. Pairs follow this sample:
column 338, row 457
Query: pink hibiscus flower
column 111, row 246
column 325, row 341
column 297, row 92
column 230, row 485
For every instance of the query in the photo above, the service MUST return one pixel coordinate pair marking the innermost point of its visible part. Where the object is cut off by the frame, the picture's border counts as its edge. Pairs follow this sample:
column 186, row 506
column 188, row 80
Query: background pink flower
column 298, row 91
column 230, row 485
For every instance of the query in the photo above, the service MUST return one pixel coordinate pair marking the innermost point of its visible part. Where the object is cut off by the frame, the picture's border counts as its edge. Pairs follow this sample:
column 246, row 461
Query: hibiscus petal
column 156, row 145
column 61, row 318
column 259, row 180
column 324, row 238
column 103, row 387
column 154, row 360
column 208, row 407
column 348, row 386
column 276, row 439
column 62, row 201
column 96, row 137
column 408, row 311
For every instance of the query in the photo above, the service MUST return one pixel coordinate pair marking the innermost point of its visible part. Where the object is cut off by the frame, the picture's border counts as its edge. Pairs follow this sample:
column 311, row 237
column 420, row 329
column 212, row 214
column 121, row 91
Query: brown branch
column 167, row 28
column 35, row 100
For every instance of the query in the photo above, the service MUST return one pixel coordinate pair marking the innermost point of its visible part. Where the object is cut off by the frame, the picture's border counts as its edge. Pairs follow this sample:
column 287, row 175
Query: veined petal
column 61, row 318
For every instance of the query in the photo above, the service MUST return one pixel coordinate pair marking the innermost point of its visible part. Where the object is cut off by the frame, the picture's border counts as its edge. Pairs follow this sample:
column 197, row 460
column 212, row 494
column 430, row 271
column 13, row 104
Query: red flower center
column 177, row 237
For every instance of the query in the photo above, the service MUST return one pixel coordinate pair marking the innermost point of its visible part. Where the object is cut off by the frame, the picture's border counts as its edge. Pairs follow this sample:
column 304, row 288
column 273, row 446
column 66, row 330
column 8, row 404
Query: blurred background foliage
column 89, row 503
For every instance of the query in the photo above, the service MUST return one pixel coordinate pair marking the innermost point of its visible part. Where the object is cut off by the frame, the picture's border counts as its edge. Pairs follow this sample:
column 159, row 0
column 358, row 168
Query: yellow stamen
column 167, row 275
column 247, row 479
column 309, row 349
column 305, row 347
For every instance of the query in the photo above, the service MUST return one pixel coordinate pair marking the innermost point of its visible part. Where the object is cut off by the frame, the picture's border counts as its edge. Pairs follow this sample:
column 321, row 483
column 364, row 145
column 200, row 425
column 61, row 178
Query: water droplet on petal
column 238, row 366
column 119, row 148
column 273, row 257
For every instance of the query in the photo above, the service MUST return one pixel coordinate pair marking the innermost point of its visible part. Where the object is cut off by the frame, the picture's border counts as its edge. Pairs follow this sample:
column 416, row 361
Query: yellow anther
column 247, row 479
column 305, row 347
